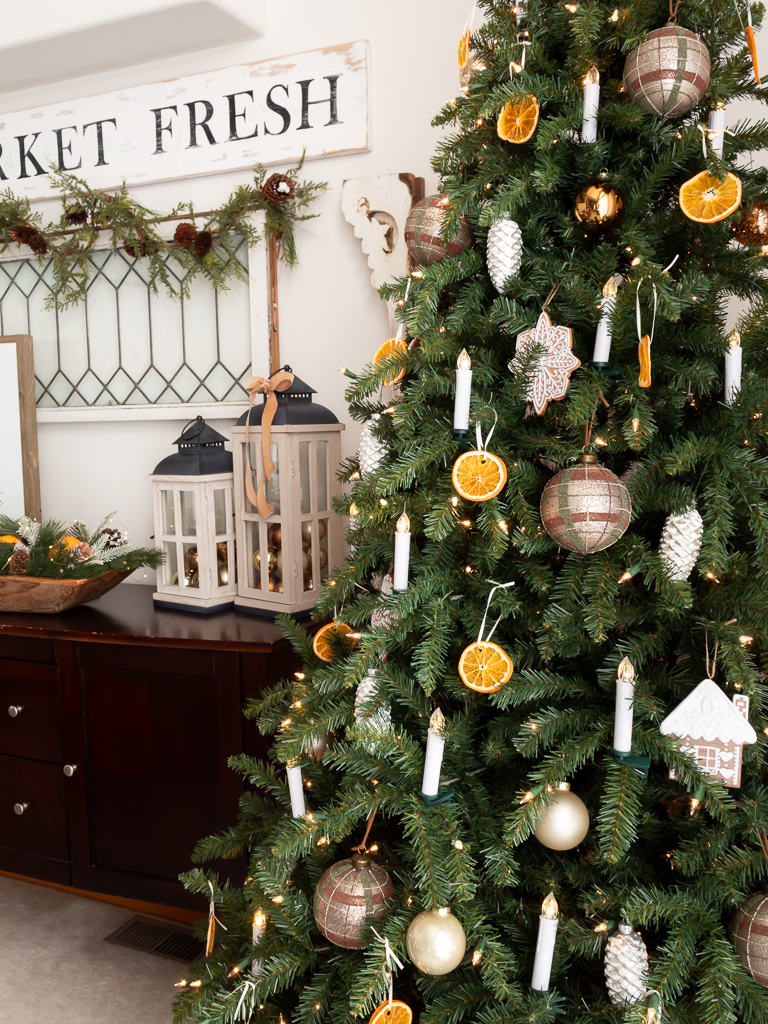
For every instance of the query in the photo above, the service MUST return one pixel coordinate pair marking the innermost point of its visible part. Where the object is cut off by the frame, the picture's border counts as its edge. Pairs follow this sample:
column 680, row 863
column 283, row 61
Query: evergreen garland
column 203, row 245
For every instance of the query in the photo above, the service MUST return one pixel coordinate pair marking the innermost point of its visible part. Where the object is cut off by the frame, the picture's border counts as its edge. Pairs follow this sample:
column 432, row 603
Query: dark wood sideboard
column 116, row 722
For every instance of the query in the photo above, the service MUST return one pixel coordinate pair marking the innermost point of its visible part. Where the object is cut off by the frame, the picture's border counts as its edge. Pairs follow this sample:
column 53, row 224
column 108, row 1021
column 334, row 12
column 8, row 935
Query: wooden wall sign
column 266, row 112
column 19, row 467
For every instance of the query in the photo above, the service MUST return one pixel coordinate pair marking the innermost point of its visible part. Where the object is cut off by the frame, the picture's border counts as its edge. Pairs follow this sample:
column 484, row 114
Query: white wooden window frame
column 258, row 298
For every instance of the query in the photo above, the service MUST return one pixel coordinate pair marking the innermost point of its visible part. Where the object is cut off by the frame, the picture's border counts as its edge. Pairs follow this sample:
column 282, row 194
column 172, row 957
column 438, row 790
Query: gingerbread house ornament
column 713, row 729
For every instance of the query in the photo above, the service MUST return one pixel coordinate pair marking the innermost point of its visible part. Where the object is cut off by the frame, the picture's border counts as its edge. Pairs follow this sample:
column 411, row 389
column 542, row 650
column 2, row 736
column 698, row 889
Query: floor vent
column 163, row 938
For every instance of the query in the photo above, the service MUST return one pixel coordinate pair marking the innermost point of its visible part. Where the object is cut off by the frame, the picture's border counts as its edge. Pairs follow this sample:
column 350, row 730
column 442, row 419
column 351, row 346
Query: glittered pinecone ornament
column 277, row 188
column 626, row 965
column 681, row 542
column 373, row 715
column 115, row 537
column 504, row 252
column 424, row 232
column 19, row 562
column 749, row 935
column 585, row 507
column 372, row 449
column 185, row 235
column 76, row 530
column 81, row 552
column 350, row 892
column 668, row 73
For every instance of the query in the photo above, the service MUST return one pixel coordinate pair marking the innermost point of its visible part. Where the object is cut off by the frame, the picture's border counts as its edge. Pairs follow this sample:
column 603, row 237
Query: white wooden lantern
column 194, row 522
column 284, row 559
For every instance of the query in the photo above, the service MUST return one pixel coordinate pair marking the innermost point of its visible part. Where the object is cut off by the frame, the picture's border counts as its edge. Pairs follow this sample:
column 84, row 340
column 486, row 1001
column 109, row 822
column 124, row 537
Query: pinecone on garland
column 681, row 542
column 203, row 243
column 372, row 450
column 504, row 252
column 76, row 215
column 38, row 244
column 115, row 537
column 22, row 233
column 626, row 965
column 277, row 188
column 19, row 562
column 185, row 235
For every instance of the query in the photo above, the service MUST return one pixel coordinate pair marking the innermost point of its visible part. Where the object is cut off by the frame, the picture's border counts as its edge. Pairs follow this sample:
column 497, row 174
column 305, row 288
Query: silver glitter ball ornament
column 668, row 73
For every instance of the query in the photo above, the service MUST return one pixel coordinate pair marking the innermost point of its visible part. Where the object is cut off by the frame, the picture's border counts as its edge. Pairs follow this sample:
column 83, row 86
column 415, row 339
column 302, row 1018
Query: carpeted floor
column 56, row 966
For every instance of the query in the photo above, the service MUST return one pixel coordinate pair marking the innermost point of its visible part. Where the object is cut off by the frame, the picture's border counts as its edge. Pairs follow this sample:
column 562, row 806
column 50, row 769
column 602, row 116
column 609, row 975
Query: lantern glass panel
column 220, row 510
column 166, row 501
column 191, row 574
column 304, row 482
column 273, row 484
column 188, row 518
column 171, row 567
column 323, row 530
column 322, row 475
column 307, row 531
column 222, row 563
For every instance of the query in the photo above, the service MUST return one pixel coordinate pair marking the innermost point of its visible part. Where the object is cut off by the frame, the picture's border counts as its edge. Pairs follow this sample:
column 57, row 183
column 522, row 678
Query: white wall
column 329, row 313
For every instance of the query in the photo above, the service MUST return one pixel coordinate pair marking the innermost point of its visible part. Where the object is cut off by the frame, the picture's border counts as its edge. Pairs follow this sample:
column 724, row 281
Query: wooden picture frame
column 19, row 464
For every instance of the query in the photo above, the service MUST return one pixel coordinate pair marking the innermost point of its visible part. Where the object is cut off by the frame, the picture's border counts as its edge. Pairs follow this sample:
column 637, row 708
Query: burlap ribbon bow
column 268, row 386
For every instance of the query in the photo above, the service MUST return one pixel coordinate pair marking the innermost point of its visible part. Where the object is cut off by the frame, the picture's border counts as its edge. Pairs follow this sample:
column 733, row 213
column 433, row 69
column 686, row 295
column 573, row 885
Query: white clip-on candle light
column 390, row 958
column 402, row 552
column 733, row 356
column 590, row 106
column 545, row 945
column 296, row 789
column 623, row 720
column 603, row 337
column 433, row 759
column 463, row 394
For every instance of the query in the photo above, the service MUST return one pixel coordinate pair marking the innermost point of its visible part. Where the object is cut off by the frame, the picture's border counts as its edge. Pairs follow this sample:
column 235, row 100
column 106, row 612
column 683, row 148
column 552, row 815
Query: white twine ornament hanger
column 390, row 958
column 499, row 586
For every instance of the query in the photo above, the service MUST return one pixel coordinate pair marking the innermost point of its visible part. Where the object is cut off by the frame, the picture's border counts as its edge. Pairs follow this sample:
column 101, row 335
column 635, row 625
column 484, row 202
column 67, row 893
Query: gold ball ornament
column 350, row 892
column 223, row 575
column 749, row 935
column 275, row 535
column 436, row 941
column 565, row 823
column 191, row 560
column 323, row 558
column 598, row 208
column 221, row 552
column 271, row 560
column 752, row 229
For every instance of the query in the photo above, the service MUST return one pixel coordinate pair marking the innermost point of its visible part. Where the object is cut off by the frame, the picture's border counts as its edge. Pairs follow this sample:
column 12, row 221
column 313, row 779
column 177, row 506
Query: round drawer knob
column 20, row 808
column 15, row 710
column 69, row 770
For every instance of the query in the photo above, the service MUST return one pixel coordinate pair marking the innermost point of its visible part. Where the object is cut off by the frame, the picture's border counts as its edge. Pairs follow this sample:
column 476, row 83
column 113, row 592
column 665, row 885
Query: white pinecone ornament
column 626, row 965
column 681, row 542
column 373, row 716
column 372, row 450
column 504, row 252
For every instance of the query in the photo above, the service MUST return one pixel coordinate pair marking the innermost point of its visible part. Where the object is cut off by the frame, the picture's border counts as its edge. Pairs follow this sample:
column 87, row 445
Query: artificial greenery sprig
column 203, row 244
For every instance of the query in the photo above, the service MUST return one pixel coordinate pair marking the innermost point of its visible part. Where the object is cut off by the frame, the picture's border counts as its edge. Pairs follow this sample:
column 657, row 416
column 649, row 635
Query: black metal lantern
column 194, row 525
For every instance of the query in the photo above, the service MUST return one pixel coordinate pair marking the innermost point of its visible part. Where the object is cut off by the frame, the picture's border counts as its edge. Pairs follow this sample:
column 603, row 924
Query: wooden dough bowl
column 38, row 594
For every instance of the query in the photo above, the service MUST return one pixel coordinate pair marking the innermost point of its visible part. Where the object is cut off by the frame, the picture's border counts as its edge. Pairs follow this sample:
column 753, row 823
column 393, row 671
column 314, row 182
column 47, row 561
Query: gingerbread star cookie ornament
column 555, row 365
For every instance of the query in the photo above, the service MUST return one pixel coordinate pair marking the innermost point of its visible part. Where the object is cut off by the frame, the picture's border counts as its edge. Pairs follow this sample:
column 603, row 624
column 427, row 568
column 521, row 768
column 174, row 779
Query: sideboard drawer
column 30, row 715
column 39, row 790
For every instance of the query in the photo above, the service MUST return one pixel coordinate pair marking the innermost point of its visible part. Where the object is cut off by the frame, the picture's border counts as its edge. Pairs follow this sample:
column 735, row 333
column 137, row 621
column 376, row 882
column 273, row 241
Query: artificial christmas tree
column 536, row 707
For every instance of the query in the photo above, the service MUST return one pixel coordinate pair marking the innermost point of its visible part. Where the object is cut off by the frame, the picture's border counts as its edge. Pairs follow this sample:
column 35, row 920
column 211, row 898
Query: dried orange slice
column 463, row 58
column 478, row 476
column 389, row 348
column 707, row 200
column 485, row 667
column 8, row 538
column 396, row 1013
column 517, row 121
column 321, row 644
